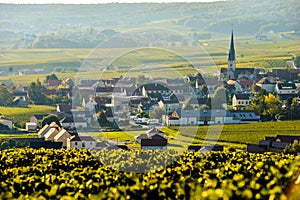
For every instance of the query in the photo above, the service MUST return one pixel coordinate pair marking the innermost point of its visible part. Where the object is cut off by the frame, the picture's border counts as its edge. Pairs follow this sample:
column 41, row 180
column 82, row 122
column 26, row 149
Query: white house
column 77, row 141
column 89, row 103
column 267, row 83
column 240, row 101
column 62, row 136
column 285, row 88
column 31, row 126
column 51, row 134
column 73, row 122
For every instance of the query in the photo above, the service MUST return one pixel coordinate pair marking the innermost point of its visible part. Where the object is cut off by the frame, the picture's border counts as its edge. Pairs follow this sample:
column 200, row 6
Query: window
column 83, row 144
column 76, row 143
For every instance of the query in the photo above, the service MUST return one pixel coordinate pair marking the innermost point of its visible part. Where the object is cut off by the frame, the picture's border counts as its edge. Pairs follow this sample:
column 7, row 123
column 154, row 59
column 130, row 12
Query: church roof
column 231, row 55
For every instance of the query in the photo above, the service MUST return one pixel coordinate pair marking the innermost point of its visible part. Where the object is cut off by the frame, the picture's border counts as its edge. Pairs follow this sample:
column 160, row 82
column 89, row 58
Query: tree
column 6, row 96
column 219, row 98
column 273, row 106
column 157, row 113
column 51, row 77
column 297, row 61
column 140, row 80
column 204, row 90
column 3, row 127
column 49, row 119
column 35, row 93
column 102, row 120
column 268, row 105
column 142, row 115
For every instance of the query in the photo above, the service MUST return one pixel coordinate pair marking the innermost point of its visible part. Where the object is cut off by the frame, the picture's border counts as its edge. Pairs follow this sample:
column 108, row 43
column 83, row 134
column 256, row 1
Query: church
column 233, row 73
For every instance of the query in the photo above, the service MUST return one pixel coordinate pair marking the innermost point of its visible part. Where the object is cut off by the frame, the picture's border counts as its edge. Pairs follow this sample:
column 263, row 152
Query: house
column 22, row 96
column 236, row 85
column 81, row 114
column 267, row 83
column 154, row 131
column 37, row 118
column 50, row 135
column 154, row 88
column 78, row 122
column 101, row 145
column 77, row 141
column 169, row 103
column 240, row 101
column 62, row 136
column 284, row 74
column 105, row 91
column 203, row 117
column 195, row 103
column 6, row 122
column 285, row 88
column 31, row 126
column 138, row 138
column 273, row 144
column 64, row 107
column 246, row 85
column 245, row 116
column 254, row 148
column 42, row 132
column 211, row 84
column 154, row 143
column 89, row 103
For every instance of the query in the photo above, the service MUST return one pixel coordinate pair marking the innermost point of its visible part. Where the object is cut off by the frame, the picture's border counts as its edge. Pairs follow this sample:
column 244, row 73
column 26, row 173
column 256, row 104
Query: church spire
column 231, row 55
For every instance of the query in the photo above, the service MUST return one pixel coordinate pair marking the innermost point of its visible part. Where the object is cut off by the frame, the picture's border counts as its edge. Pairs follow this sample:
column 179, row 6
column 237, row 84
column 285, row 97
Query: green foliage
column 49, row 119
column 219, row 98
column 35, row 93
column 157, row 113
column 3, row 127
column 76, row 173
column 268, row 105
column 297, row 62
column 142, row 115
column 51, row 77
column 6, row 96
column 104, row 123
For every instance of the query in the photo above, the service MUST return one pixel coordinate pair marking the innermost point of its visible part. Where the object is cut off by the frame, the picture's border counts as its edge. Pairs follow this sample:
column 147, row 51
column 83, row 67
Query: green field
column 117, row 174
column 232, row 135
column 20, row 114
column 208, row 58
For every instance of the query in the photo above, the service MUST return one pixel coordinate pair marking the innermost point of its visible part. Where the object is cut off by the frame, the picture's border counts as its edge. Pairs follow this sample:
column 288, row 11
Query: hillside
column 83, row 26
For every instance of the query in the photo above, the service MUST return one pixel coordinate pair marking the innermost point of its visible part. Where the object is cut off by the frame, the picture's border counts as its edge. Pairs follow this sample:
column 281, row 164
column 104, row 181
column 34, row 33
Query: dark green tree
column 297, row 61
column 35, row 93
column 51, row 77
column 204, row 90
column 49, row 119
column 6, row 96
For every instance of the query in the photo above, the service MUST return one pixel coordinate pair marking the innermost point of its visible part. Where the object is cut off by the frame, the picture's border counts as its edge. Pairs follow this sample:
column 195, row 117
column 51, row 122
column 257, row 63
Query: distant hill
column 57, row 24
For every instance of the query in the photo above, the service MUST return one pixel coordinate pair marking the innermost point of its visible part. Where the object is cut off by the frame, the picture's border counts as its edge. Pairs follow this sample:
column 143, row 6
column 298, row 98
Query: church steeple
column 231, row 55
column 231, row 58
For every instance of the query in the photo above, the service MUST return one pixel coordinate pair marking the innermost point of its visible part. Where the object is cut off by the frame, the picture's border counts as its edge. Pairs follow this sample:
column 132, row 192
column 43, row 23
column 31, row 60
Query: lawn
column 22, row 114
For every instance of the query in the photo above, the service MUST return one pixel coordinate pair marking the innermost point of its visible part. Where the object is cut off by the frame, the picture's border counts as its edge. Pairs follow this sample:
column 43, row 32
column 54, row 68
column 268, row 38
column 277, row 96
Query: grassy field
column 19, row 114
column 208, row 58
column 231, row 135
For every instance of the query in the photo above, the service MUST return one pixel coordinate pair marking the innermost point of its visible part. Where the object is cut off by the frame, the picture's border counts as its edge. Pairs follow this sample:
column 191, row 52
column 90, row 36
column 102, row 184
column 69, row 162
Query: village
column 131, row 103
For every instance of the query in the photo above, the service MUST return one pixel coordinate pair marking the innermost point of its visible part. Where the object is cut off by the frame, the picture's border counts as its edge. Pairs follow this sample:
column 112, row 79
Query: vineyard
column 80, row 174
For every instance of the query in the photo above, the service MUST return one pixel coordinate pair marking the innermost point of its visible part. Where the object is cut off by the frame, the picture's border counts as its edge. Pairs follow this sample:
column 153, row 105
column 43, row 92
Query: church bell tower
column 231, row 56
